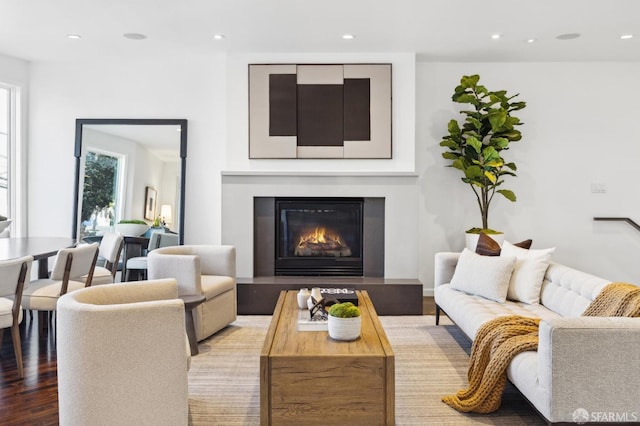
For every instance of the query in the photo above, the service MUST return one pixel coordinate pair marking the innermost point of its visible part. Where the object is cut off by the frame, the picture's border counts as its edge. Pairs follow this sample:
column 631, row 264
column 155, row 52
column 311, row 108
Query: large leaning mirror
column 129, row 170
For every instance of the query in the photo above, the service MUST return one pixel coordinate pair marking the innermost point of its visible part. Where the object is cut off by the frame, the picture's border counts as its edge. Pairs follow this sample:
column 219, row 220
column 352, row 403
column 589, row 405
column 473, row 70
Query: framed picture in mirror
column 150, row 197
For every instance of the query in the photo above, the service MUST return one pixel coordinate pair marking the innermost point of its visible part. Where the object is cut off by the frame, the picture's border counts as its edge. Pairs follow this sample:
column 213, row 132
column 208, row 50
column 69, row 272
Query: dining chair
column 157, row 240
column 13, row 274
column 70, row 265
column 109, row 252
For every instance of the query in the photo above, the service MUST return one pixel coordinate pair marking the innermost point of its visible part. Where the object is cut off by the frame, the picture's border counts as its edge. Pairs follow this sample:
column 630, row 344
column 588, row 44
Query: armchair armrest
column 185, row 268
column 217, row 260
column 445, row 265
column 590, row 363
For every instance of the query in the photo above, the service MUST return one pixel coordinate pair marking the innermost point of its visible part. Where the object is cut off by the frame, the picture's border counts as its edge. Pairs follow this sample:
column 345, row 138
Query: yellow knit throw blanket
column 502, row 338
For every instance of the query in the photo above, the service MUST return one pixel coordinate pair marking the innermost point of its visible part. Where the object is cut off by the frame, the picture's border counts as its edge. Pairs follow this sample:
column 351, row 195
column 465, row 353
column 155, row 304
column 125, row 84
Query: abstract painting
column 320, row 111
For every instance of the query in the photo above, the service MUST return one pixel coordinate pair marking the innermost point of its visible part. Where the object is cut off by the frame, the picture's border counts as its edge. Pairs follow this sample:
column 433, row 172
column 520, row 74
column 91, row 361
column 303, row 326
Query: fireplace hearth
column 319, row 236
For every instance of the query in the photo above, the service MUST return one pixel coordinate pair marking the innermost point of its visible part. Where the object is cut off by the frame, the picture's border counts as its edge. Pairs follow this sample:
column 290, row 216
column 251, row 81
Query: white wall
column 190, row 87
column 580, row 127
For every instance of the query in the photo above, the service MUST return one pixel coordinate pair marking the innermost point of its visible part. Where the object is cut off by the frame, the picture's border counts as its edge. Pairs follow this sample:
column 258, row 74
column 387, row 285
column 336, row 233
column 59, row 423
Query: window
column 101, row 192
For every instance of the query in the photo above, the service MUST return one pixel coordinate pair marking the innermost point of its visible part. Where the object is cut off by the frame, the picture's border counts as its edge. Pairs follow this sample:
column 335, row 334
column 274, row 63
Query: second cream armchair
column 209, row 270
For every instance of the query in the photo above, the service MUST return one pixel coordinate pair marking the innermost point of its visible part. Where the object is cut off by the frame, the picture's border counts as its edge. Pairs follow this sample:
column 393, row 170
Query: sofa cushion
column 214, row 285
column 528, row 272
column 469, row 312
column 484, row 276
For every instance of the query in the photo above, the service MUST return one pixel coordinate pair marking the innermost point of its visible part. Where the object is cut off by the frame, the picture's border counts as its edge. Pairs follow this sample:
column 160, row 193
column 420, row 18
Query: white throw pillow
column 486, row 276
column 528, row 273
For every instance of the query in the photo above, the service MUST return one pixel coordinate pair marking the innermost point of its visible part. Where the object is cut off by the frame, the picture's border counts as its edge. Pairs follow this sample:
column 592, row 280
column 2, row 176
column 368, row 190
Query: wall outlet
column 598, row 188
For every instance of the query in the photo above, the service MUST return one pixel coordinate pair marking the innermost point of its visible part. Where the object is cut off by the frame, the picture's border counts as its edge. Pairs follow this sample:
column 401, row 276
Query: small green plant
column 344, row 310
column 133, row 221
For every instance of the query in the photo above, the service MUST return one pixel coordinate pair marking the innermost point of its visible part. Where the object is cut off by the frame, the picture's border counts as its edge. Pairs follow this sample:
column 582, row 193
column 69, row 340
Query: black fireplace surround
column 364, row 240
column 319, row 236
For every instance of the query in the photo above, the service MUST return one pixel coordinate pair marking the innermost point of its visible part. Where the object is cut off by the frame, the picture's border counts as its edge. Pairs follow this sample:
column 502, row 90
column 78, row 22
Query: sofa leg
column 437, row 315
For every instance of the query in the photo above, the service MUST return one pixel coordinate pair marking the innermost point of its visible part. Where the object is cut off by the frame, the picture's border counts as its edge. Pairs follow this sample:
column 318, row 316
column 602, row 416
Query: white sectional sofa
column 586, row 369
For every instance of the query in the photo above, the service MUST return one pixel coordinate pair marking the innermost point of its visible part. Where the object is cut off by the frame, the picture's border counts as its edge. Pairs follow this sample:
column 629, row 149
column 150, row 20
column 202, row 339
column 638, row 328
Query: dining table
column 41, row 248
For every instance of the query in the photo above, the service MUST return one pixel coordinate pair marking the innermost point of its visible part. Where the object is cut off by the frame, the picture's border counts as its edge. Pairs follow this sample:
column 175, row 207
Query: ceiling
column 437, row 30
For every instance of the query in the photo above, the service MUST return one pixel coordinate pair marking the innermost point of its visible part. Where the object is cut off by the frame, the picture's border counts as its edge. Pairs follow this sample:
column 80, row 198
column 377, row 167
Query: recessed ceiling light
column 134, row 36
column 495, row 36
column 626, row 36
column 218, row 36
column 569, row 36
column 532, row 40
column 348, row 36
column 74, row 36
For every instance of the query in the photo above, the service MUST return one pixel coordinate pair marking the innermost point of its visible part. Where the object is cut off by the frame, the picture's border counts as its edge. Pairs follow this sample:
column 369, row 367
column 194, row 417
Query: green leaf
column 512, row 166
column 490, row 154
column 470, row 81
column 466, row 98
column 475, row 143
column 450, row 155
column 475, row 122
column 500, row 142
column 512, row 135
column 509, row 195
column 458, row 164
column 450, row 144
column 473, row 172
column 497, row 119
column 453, row 127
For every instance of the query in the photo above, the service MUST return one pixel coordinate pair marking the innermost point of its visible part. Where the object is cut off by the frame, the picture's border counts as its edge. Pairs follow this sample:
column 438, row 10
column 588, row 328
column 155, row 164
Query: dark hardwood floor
column 34, row 399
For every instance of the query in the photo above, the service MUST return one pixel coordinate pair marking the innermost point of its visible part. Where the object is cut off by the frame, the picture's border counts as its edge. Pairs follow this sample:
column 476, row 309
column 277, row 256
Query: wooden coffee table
column 308, row 378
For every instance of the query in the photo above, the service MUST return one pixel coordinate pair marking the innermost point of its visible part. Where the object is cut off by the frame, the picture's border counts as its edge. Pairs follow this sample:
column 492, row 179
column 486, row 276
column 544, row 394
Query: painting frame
column 293, row 112
column 150, row 202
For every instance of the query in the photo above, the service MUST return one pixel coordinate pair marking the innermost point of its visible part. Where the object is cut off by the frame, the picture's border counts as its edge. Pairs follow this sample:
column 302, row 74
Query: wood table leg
column 190, row 302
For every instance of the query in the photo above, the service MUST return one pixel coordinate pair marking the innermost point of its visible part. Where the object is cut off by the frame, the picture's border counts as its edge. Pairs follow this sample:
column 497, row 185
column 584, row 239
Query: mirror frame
column 80, row 122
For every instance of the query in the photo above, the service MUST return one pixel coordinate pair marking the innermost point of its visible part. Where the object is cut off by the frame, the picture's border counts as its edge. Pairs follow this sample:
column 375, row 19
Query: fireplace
column 368, row 246
column 319, row 236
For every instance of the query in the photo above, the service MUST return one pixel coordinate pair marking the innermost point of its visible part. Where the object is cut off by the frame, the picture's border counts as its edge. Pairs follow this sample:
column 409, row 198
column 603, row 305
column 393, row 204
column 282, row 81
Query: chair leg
column 437, row 315
column 41, row 321
column 17, row 348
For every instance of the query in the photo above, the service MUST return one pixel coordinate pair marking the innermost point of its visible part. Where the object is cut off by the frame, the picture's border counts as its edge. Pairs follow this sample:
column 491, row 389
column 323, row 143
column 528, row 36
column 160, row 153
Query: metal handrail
column 620, row 219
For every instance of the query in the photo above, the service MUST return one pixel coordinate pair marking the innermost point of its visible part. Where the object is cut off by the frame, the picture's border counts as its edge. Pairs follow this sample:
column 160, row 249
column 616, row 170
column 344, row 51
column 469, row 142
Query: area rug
column 431, row 361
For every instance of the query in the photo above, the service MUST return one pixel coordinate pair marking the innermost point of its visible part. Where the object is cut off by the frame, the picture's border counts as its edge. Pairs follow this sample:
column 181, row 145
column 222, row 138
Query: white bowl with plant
column 132, row 228
column 344, row 321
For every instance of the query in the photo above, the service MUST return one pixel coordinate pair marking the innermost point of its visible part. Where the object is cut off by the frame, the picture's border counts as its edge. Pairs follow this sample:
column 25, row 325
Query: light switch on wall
column 598, row 188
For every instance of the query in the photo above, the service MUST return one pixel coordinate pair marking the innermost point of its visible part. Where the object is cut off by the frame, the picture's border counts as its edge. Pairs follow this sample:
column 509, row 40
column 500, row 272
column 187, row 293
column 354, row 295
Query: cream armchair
column 122, row 355
column 201, row 269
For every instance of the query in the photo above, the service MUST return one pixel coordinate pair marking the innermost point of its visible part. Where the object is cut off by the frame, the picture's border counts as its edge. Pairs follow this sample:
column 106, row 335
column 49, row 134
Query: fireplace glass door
column 319, row 236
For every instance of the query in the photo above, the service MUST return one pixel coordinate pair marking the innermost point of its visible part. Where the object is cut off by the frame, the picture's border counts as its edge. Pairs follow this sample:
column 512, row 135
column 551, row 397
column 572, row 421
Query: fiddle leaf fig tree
column 475, row 147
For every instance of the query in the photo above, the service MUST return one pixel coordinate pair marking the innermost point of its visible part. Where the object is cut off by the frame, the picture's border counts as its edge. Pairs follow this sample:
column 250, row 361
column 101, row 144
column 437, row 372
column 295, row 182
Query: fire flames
column 319, row 242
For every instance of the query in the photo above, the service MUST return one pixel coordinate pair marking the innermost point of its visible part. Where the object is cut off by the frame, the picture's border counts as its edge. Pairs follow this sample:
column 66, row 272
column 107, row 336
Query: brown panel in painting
column 320, row 115
column 357, row 117
column 282, row 104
